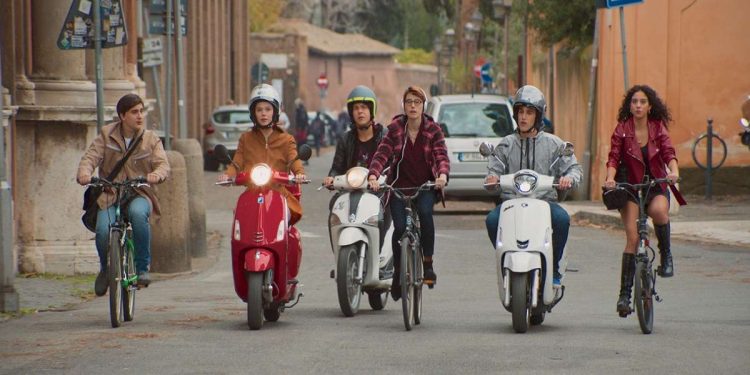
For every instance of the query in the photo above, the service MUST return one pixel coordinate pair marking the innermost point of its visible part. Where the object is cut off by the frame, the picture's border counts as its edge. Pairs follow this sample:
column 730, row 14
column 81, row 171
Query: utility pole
column 167, row 108
column 181, row 111
column 590, row 113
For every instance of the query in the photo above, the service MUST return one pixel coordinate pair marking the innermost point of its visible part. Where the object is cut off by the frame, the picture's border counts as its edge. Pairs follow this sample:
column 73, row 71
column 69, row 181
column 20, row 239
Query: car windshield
column 232, row 117
column 475, row 120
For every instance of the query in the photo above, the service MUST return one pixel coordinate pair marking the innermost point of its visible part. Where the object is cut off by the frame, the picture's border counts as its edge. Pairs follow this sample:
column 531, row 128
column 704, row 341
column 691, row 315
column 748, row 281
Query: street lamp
column 437, row 48
column 469, row 30
column 450, row 41
column 501, row 11
column 476, row 18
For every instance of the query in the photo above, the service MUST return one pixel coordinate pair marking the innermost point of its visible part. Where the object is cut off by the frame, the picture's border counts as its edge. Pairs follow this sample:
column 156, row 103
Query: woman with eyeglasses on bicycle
column 641, row 148
column 415, row 149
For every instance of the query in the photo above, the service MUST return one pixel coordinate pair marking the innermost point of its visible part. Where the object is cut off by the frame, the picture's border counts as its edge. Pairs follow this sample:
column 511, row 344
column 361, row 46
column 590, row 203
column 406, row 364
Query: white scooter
column 362, row 265
column 524, row 246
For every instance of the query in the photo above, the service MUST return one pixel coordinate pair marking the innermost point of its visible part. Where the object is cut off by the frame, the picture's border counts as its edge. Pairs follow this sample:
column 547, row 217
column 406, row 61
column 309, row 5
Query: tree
column 570, row 22
column 264, row 13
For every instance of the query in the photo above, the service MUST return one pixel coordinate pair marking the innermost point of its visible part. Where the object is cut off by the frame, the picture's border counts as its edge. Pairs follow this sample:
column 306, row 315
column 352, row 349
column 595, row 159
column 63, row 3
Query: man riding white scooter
column 532, row 148
column 357, row 146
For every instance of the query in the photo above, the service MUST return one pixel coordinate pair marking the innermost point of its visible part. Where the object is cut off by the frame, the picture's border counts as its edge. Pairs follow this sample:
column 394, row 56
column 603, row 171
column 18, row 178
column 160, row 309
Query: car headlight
column 525, row 183
column 261, row 174
column 356, row 177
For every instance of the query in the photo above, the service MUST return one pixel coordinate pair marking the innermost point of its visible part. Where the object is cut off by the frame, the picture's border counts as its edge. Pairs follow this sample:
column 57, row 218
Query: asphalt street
column 195, row 324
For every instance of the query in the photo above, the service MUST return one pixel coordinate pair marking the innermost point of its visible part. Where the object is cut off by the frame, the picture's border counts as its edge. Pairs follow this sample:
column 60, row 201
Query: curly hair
column 659, row 110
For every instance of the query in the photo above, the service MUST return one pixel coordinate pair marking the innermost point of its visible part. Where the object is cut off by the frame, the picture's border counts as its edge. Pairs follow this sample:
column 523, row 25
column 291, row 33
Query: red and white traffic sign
column 478, row 67
column 323, row 81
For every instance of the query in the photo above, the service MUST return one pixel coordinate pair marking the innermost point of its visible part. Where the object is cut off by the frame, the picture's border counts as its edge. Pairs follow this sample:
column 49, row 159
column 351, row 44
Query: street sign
column 157, row 19
column 151, row 52
column 323, row 81
column 78, row 30
column 616, row 3
column 259, row 72
column 485, row 73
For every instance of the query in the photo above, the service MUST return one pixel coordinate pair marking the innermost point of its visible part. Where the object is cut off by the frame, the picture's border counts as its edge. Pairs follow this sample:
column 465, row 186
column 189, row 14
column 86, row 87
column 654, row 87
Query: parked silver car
column 467, row 121
column 227, row 123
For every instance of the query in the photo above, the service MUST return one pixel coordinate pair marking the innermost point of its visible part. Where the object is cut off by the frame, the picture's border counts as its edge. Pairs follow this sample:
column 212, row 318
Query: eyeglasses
column 413, row 102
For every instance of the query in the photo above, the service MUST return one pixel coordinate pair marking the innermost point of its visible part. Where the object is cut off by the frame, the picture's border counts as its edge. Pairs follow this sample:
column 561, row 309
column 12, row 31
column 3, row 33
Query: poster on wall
column 78, row 29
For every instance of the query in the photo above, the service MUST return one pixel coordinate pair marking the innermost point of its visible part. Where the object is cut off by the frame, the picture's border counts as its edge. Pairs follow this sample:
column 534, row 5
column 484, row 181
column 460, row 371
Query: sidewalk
column 724, row 220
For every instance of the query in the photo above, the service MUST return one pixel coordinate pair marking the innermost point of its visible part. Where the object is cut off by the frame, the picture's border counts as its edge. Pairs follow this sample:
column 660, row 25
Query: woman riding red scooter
column 266, row 248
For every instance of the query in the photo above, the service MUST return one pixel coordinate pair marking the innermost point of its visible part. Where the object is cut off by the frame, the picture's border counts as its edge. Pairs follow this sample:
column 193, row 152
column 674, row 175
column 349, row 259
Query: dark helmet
column 530, row 96
column 265, row 92
column 365, row 95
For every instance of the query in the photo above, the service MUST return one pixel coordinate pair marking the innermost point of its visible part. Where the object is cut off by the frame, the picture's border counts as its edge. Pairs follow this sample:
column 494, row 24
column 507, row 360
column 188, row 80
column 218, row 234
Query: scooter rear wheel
column 255, row 300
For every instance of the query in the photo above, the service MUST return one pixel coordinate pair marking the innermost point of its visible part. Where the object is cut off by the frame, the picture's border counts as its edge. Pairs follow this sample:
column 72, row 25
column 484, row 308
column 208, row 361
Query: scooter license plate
column 470, row 156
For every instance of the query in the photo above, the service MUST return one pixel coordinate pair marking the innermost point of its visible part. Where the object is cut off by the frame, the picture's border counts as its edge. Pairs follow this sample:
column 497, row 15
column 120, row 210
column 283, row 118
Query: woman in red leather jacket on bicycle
column 641, row 145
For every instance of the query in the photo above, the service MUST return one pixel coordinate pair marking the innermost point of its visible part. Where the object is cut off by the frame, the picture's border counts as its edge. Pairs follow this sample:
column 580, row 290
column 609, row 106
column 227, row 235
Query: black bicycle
column 645, row 276
column 412, row 270
column 123, row 279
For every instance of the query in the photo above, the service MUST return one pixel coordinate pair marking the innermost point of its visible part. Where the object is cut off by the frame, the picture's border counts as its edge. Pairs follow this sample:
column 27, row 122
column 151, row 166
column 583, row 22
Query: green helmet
column 365, row 95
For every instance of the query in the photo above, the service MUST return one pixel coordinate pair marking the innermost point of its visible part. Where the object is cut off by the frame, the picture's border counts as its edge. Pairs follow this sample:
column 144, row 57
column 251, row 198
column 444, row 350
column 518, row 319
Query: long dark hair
column 659, row 110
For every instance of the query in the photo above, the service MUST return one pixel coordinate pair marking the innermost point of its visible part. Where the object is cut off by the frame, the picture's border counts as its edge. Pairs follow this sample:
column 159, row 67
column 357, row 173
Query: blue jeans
column 560, row 228
column 139, row 211
column 424, row 203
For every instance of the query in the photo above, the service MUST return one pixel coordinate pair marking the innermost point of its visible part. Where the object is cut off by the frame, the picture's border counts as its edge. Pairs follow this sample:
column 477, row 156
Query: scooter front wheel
column 349, row 291
column 255, row 300
column 519, row 287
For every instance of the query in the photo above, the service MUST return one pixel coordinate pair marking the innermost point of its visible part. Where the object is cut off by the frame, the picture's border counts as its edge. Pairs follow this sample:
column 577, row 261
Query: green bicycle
column 123, row 279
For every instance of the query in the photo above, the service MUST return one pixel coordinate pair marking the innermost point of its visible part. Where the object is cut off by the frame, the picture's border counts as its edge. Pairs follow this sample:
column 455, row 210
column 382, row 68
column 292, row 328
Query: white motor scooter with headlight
column 524, row 246
column 361, row 243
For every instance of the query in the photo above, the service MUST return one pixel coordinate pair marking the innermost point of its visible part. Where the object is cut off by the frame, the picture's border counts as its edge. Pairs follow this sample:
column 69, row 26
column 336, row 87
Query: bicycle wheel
column 407, row 283
column 644, row 297
column 418, row 283
column 349, row 291
column 114, row 252
column 128, row 287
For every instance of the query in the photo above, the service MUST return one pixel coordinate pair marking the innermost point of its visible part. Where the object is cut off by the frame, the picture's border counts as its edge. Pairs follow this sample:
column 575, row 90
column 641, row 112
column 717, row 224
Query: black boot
column 396, row 284
column 666, row 269
column 626, row 284
column 430, row 278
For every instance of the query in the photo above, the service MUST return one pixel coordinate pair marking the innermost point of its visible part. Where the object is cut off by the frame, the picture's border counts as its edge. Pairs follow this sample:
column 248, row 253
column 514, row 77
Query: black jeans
column 424, row 203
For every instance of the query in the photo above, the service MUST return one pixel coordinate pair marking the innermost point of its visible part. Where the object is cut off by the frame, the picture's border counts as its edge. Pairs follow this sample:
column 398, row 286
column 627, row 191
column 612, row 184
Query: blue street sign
column 485, row 73
column 616, row 3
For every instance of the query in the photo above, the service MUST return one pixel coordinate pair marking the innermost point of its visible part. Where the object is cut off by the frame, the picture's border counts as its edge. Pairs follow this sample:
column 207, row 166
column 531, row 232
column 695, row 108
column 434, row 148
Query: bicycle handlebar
column 649, row 183
column 400, row 191
column 133, row 182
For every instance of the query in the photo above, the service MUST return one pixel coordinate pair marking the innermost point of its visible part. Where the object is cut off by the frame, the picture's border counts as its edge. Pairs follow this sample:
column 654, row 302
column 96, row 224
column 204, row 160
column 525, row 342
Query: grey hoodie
column 536, row 153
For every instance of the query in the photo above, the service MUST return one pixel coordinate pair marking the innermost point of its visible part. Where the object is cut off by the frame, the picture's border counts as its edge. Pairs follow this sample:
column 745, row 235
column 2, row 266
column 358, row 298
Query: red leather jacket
column 624, row 148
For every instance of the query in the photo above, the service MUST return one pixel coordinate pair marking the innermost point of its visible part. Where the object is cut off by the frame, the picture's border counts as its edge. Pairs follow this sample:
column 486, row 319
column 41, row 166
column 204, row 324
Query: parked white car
column 227, row 124
column 467, row 121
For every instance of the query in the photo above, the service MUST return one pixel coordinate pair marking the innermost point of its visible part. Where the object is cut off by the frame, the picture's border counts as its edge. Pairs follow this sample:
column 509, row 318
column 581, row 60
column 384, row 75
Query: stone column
column 55, row 124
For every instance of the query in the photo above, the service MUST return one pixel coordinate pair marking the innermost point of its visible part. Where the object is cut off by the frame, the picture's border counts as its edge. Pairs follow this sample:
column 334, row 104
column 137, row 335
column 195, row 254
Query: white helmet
column 264, row 92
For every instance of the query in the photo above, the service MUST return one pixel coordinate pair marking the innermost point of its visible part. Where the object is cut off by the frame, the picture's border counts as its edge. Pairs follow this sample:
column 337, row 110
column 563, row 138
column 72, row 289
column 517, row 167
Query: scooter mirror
column 222, row 153
column 485, row 149
column 304, row 152
column 568, row 149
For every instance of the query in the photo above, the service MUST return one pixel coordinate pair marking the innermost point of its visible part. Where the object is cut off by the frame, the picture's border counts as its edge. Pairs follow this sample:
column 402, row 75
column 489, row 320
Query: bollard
column 709, row 156
column 709, row 167
column 191, row 151
column 169, row 233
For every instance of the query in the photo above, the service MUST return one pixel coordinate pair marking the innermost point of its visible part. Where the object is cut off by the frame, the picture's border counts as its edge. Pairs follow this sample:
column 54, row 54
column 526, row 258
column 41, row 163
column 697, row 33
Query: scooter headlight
column 261, row 174
column 357, row 177
column 525, row 183
column 333, row 220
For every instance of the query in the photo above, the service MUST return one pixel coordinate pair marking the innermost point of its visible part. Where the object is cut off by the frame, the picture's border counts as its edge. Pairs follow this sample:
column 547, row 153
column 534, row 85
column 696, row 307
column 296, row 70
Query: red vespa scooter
column 266, row 250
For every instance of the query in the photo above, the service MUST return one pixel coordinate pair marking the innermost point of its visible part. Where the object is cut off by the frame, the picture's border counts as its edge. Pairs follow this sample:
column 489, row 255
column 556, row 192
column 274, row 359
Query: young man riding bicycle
column 148, row 160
